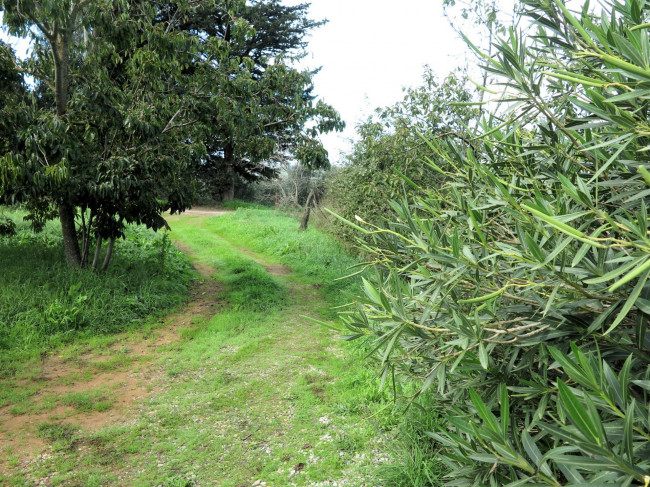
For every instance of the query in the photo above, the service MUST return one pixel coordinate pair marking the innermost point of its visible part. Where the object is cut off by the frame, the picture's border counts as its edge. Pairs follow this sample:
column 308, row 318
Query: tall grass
column 44, row 303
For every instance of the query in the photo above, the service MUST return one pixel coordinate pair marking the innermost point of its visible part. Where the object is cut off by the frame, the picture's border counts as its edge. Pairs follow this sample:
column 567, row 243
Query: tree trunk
column 98, row 251
column 69, row 231
column 59, row 46
column 109, row 253
column 305, row 216
column 228, row 193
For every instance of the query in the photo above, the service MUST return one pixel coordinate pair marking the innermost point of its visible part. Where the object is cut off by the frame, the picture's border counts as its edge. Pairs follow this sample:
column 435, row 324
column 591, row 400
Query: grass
column 254, row 392
column 319, row 258
column 44, row 304
column 236, row 204
column 89, row 401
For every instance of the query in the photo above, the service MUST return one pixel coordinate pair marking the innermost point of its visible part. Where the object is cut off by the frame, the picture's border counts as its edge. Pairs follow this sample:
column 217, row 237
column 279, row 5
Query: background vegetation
column 506, row 293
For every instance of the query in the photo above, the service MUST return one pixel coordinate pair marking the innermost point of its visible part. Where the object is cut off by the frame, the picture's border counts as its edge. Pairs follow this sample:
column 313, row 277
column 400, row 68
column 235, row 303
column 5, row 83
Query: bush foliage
column 518, row 289
column 389, row 144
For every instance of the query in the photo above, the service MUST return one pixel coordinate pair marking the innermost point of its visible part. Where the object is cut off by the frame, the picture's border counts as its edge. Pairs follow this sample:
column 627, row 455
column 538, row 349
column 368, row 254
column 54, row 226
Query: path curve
column 206, row 211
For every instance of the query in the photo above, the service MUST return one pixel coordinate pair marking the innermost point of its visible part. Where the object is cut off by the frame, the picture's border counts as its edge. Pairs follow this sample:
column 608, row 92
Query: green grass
column 255, row 392
column 236, row 204
column 44, row 304
column 89, row 401
column 249, row 394
column 61, row 436
column 318, row 258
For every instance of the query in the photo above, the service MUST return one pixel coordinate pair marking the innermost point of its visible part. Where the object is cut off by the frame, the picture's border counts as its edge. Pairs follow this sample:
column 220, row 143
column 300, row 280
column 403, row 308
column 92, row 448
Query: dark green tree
column 12, row 97
column 264, row 111
column 113, row 136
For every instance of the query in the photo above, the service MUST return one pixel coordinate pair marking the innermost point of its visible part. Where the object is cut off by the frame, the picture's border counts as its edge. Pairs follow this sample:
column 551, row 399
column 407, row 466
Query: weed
column 88, row 401
column 414, row 459
column 178, row 482
column 63, row 436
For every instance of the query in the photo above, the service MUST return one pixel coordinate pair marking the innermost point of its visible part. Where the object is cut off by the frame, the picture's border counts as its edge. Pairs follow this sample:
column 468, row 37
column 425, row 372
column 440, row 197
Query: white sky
column 370, row 49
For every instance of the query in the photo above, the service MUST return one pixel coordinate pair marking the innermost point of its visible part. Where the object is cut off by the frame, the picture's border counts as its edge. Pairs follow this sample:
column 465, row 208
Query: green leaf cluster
column 516, row 289
column 390, row 145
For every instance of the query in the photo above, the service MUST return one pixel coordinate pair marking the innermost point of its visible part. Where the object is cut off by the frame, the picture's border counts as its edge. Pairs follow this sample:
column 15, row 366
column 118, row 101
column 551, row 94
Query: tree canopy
column 131, row 98
column 266, row 111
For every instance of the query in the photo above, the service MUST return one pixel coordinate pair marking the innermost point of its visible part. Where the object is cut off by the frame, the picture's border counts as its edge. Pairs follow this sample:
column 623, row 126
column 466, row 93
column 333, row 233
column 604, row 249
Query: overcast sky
column 370, row 49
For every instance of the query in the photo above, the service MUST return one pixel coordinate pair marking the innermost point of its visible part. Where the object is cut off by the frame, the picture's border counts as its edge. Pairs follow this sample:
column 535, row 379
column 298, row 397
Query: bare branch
column 171, row 121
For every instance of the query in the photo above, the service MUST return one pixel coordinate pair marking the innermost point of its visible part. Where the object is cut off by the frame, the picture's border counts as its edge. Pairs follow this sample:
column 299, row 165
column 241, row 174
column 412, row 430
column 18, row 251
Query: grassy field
column 238, row 387
column 246, row 390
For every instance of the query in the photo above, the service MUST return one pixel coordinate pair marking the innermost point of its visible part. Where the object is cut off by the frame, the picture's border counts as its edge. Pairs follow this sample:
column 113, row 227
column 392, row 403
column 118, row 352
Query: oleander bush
column 517, row 290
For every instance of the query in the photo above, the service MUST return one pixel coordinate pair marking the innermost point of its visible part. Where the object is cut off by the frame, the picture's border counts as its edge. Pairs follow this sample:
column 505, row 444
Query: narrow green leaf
column 629, row 303
column 371, row 292
column 433, row 373
column 563, row 227
column 614, row 385
column 481, row 299
column 347, row 222
column 644, row 384
column 617, row 271
column 640, row 268
column 628, row 432
column 505, row 410
column 577, row 413
column 575, row 23
column 580, row 254
column 488, row 418
column 483, row 356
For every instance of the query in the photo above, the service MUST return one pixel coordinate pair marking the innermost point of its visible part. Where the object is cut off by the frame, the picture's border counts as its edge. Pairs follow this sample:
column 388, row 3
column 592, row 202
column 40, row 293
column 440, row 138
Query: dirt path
column 213, row 396
column 118, row 375
column 206, row 211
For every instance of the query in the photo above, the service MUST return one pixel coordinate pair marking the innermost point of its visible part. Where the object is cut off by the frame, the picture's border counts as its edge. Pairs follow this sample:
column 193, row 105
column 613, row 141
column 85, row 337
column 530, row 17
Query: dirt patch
column 273, row 269
column 203, row 269
column 206, row 210
column 122, row 372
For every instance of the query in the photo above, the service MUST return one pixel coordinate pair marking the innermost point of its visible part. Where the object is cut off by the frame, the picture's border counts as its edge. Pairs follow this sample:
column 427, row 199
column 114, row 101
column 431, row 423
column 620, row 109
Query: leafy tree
column 518, row 288
column 12, row 96
column 391, row 142
column 114, row 135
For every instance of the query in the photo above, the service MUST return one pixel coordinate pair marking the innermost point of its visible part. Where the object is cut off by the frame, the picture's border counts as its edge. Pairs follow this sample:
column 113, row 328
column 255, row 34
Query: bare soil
column 206, row 211
column 127, row 381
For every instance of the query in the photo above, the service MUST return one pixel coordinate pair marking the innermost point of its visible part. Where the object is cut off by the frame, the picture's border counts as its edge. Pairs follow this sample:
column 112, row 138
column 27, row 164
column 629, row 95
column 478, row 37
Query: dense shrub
column 518, row 290
column 390, row 144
